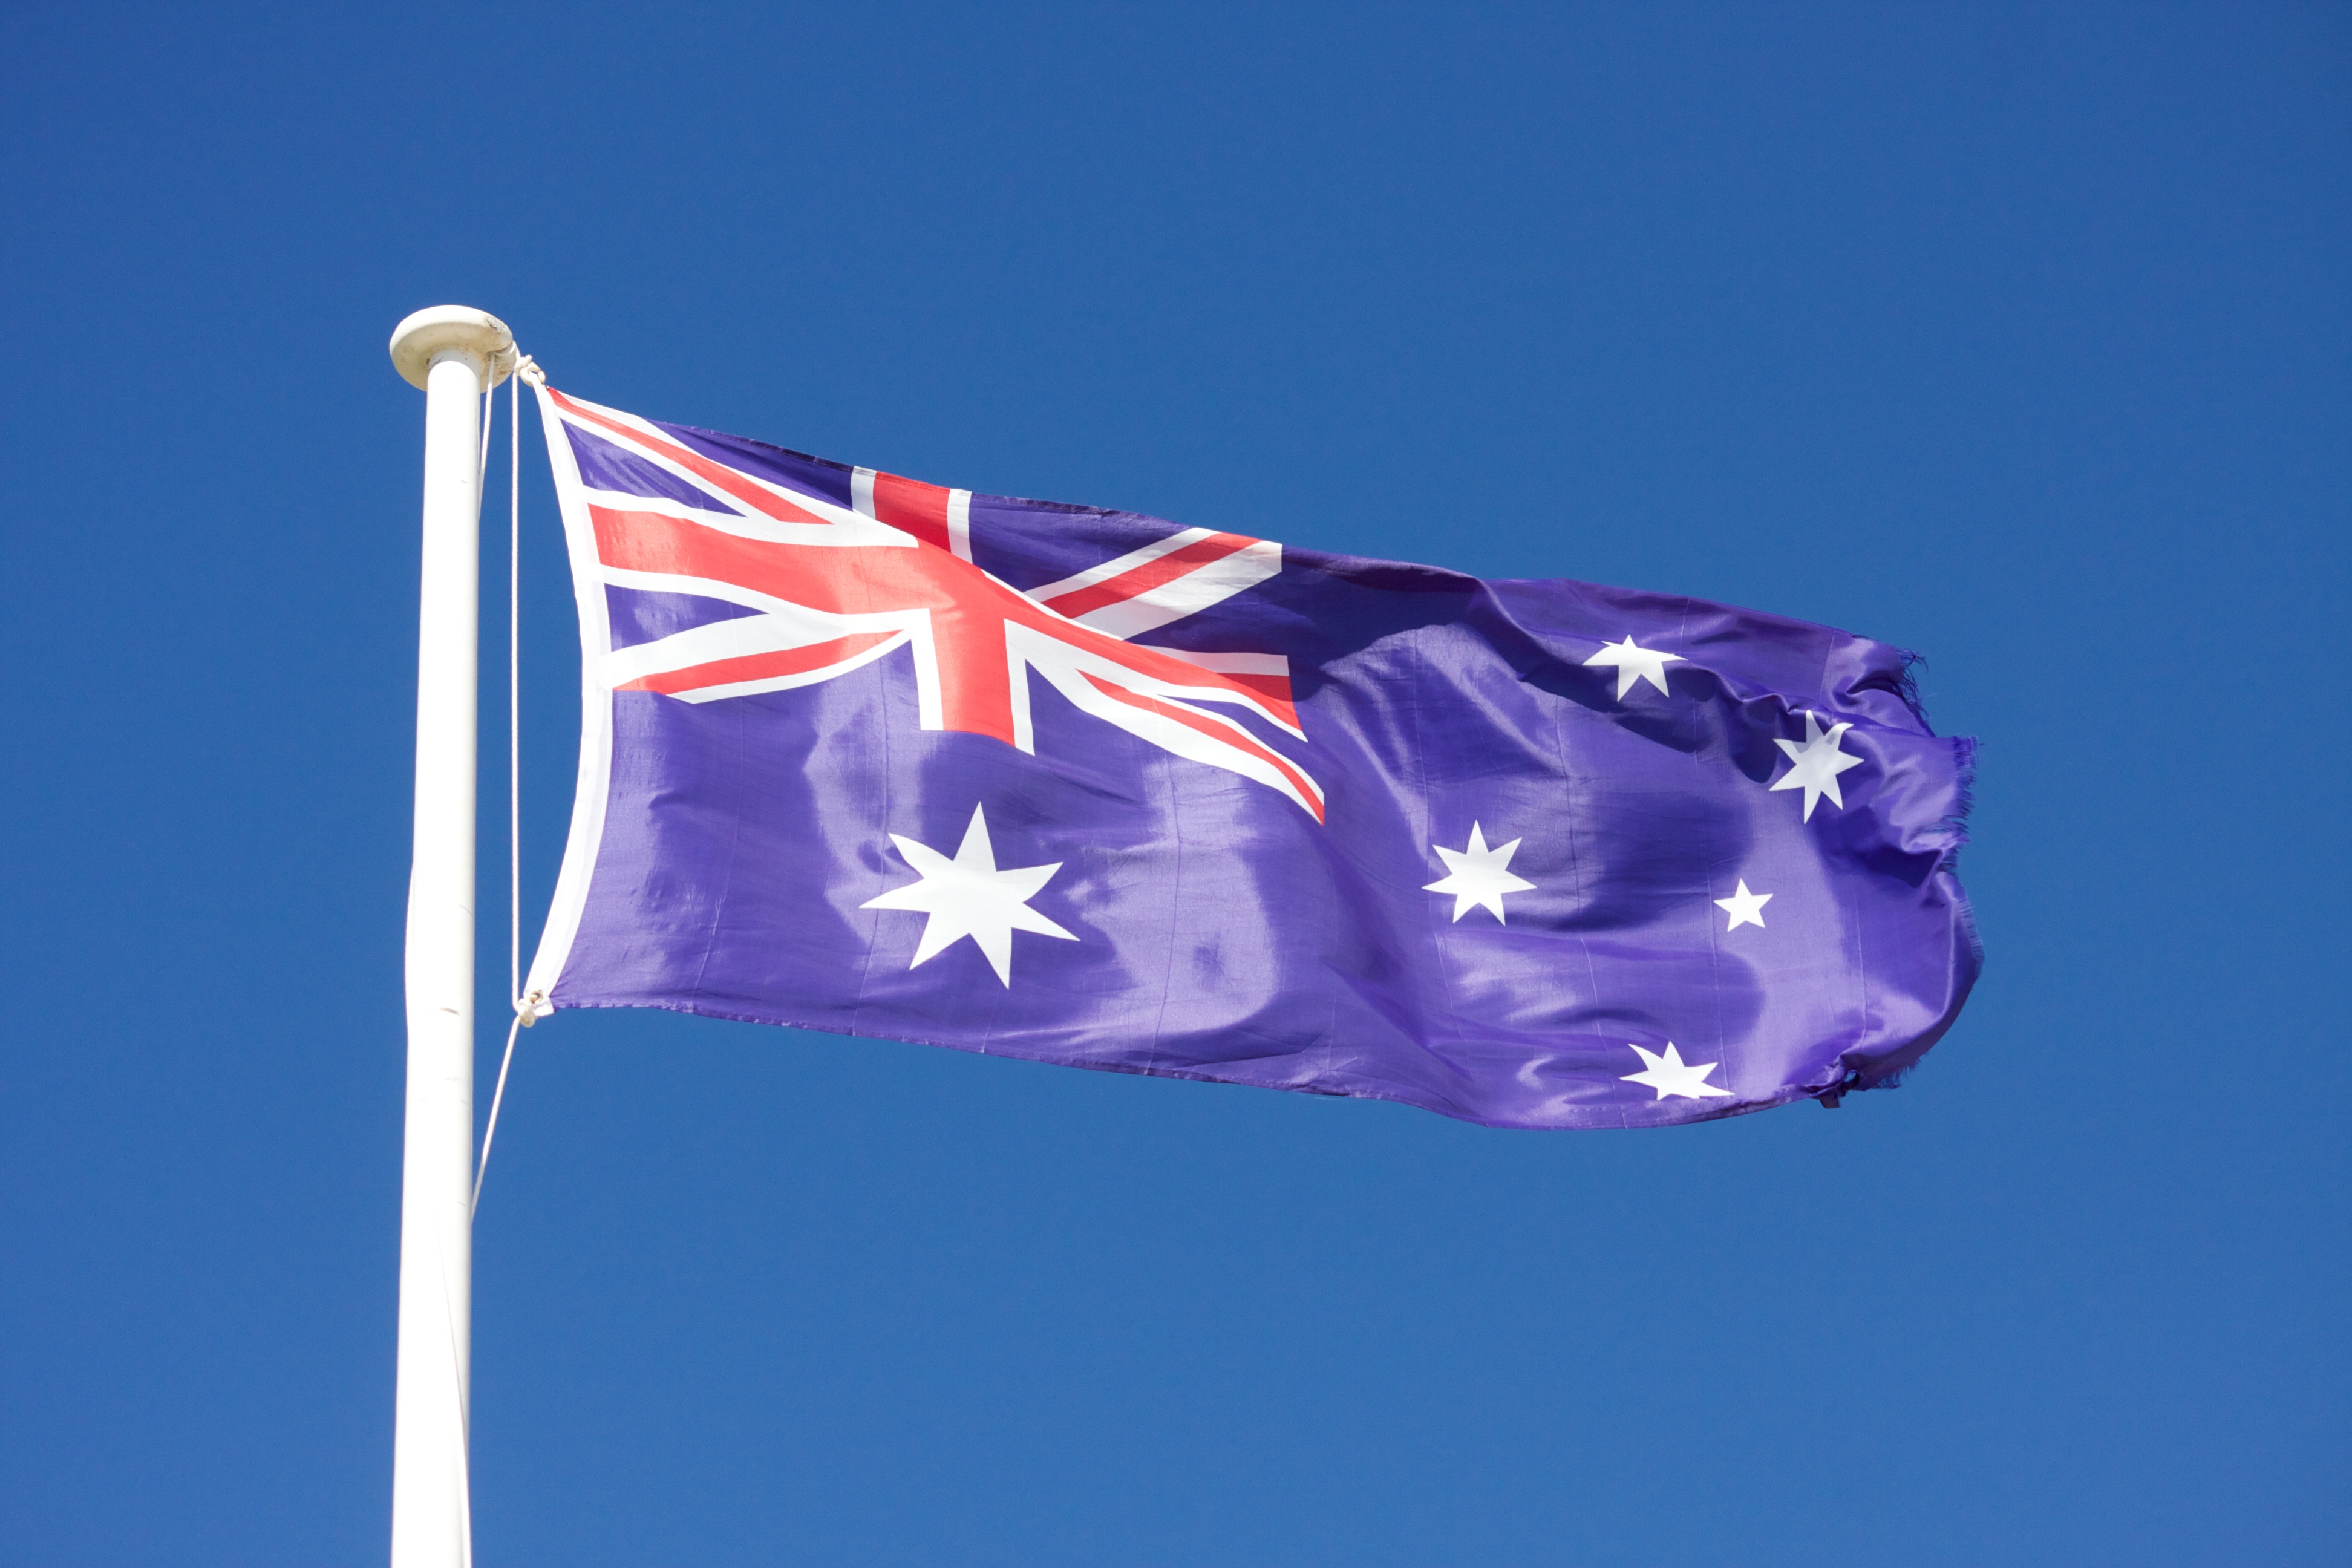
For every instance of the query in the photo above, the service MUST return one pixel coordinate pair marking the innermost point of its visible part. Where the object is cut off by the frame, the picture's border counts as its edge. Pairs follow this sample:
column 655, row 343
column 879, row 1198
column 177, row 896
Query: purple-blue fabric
column 1224, row 934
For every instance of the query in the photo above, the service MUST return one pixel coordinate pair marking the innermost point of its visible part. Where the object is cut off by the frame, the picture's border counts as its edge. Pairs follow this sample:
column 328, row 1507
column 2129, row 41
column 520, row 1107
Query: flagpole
column 455, row 354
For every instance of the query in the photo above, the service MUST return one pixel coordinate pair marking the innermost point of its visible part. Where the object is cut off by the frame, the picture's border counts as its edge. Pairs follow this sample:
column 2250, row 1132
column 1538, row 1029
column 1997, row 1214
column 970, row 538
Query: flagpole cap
column 439, row 330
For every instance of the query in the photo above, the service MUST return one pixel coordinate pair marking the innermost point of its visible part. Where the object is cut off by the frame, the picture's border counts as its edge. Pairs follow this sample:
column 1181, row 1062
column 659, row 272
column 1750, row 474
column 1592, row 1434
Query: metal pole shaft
column 430, row 1506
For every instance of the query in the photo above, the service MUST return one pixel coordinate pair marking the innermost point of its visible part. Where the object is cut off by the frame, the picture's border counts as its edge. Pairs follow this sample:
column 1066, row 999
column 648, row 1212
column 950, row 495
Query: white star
column 1634, row 663
column 1669, row 1074
column 1477, row 875
column 1746, row 908
column 1814, row 766
column 968, row 897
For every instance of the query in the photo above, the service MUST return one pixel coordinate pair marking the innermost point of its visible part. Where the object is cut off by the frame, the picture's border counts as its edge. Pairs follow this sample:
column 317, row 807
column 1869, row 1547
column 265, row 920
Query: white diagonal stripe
column 1229, row 663
column 1210, row 583
column 1122, row 565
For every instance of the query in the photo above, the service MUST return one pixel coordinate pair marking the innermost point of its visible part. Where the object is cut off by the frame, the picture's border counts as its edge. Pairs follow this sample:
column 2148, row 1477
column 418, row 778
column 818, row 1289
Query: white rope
column 526, row 1009
column 482, row 446
column 514, row 683
column 498, row 1097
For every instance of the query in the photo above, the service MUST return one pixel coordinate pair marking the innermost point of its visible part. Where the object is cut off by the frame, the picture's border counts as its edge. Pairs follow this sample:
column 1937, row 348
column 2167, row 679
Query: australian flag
column 875, row 756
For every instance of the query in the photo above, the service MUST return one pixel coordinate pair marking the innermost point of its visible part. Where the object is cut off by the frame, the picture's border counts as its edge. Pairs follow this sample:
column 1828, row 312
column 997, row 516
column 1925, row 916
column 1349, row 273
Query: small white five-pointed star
column 1669, row 1074
column 1634, row 663
column 1746, row 908
column 1478, row 877
column 968, row 897
column 1814, row 766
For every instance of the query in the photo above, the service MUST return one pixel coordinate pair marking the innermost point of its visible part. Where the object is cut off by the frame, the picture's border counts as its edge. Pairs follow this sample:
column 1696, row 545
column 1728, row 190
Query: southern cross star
column 968, row 897
column 1478, row 877
column 1669, row 1074
column 1746, row 908
column 1634, row 663
column 1814, row 766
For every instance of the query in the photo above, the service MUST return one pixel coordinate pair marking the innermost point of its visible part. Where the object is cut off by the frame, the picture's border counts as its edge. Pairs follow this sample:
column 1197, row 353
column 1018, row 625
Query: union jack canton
column 880, row 757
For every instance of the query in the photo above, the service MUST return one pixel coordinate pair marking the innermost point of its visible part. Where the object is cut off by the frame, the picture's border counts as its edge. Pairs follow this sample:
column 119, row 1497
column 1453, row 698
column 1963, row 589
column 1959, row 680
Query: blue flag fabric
column 884, row 758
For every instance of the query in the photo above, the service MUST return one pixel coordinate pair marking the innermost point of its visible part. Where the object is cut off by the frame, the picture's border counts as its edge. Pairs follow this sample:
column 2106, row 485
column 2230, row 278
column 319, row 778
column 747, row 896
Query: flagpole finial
column 438, row 329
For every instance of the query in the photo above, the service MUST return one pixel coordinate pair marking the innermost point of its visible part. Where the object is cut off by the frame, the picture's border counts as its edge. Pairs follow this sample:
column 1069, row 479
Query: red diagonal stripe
column 1150, row 575
column 759, row 666
column 1190, row 720
column 717, row 475
column 1274, row 690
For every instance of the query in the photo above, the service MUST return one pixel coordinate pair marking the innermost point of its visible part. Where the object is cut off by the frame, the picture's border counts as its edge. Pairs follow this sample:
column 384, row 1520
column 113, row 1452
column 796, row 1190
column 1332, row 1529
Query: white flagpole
column 455, row 355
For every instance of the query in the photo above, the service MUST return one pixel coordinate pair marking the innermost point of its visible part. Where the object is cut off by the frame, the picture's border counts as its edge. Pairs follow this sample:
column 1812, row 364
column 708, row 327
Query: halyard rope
column 525, row 1007
column 514, row 682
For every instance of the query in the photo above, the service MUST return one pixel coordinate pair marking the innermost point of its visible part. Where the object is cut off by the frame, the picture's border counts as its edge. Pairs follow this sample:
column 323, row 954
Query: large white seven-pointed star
column 1814, row 766
column 1669, row 1074
column 1478, row 877
column 968, row 897
column 1746, row 908
column 1634, row 663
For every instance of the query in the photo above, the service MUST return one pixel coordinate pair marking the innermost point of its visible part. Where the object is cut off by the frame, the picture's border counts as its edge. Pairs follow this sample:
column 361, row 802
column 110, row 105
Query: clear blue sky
column 2016, row 334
